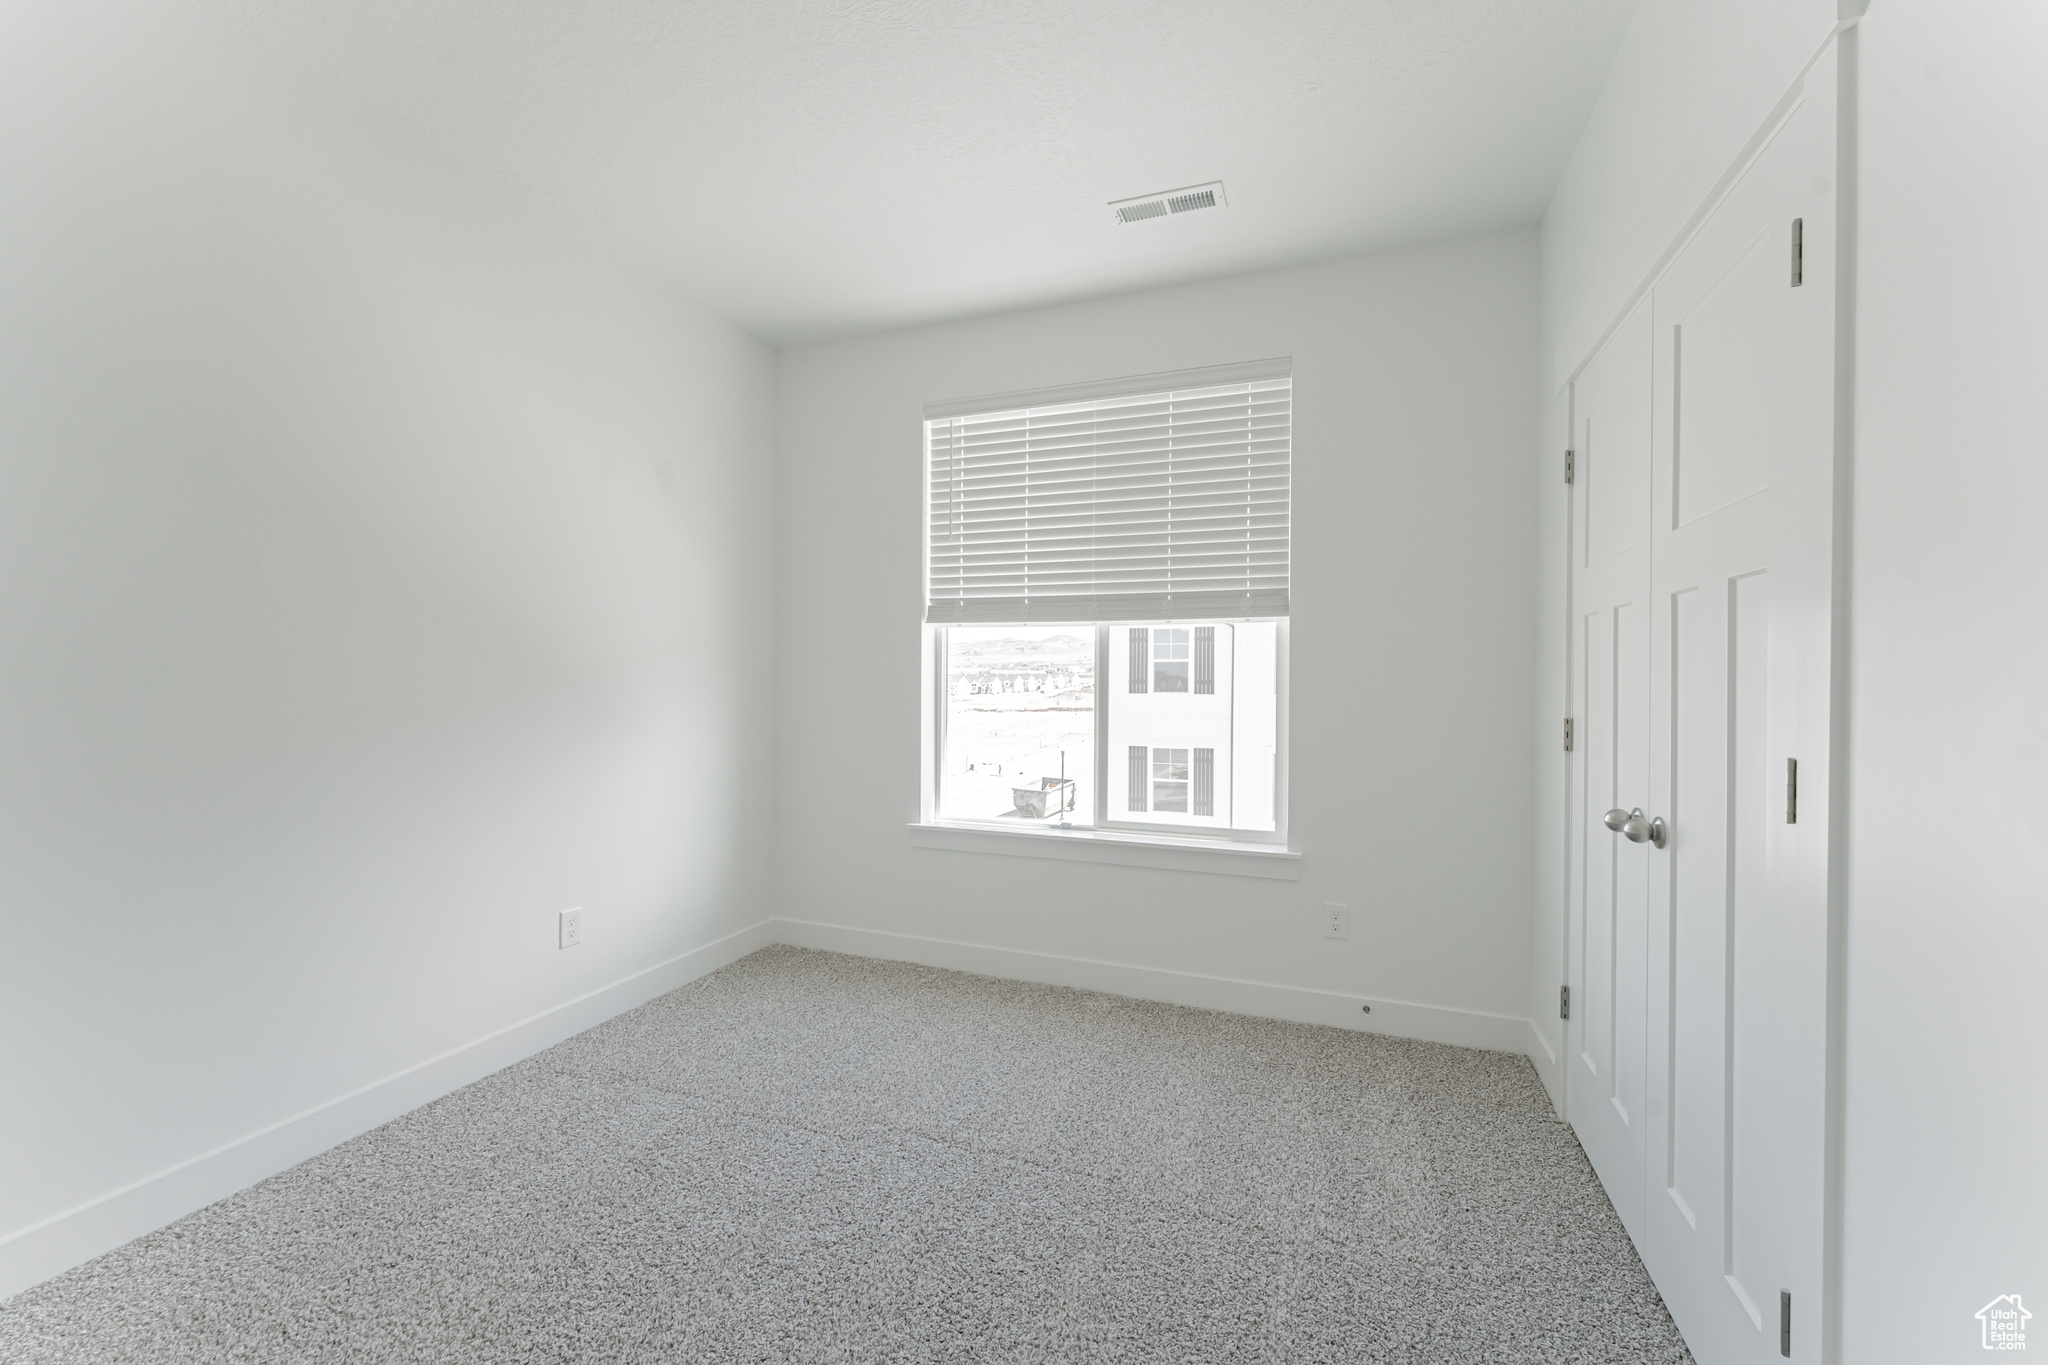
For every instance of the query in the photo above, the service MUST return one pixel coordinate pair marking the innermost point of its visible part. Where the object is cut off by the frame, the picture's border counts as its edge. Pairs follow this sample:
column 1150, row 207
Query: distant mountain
column 1052, row 649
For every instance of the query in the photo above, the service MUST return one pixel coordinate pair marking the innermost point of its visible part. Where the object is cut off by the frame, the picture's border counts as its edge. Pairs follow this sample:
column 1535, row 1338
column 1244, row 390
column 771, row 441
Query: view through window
column 1190, row 712
column 1193, row 722
column 1020, row 723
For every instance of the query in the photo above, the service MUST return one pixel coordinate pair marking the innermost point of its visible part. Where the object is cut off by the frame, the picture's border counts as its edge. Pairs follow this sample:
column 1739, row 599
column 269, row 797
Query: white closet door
column 1739, row 630
column 1610, row 877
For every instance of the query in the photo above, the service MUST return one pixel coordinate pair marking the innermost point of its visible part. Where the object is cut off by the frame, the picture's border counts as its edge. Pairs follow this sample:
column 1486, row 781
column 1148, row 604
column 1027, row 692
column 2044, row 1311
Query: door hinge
column 1784, row 1322
column 1791, row 791
column 1567, row 734
column 1571, row 465
column 1798, row 252
column 1564, row 1002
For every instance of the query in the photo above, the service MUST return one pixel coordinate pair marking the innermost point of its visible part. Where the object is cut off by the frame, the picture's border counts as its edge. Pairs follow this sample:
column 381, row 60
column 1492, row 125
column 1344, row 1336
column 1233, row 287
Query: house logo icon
column 2005, row 1323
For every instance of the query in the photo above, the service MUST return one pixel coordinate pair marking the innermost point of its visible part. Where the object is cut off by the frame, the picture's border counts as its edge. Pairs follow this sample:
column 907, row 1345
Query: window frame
column 1152, row 843
column 932, row 727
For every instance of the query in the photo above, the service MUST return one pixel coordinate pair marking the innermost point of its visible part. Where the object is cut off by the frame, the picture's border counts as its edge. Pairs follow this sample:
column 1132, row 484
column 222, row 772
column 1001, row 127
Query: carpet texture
column 810, row 1157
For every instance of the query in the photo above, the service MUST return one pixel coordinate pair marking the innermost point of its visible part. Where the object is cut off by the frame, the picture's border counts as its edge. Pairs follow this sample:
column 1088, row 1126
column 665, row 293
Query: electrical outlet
column 572, row 927
column 1336, row 920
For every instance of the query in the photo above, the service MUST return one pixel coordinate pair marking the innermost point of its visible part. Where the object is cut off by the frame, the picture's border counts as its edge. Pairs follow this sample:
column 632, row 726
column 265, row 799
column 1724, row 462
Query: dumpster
column 1052, row 796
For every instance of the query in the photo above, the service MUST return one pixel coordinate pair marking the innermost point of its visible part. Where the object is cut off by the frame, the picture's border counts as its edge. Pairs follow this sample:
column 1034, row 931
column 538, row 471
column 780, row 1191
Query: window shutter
column 1205, row 781
column 1141, row 658
column 1155, row 499
column 1141, row 775
column 1205, row 661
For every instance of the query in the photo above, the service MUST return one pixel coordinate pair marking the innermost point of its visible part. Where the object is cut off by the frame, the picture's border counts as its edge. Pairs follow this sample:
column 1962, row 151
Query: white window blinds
column 1156, row 499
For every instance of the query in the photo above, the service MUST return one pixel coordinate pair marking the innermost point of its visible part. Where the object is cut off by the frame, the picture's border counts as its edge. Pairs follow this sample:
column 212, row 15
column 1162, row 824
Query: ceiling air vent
column 1166, row 203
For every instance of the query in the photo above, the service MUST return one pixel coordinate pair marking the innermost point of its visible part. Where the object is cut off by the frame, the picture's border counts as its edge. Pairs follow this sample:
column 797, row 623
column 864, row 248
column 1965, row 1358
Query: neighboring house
column 1170, row 724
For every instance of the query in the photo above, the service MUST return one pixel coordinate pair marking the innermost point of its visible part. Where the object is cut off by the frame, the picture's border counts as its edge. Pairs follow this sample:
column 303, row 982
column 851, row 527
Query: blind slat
column 1161, row 505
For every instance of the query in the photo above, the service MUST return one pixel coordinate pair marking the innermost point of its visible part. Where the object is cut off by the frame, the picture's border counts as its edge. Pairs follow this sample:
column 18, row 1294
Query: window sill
column 1225, row 857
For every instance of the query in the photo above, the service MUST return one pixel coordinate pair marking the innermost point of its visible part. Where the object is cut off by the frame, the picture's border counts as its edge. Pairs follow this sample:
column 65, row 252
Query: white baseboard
column 1430, row 1023
column 48, row 1248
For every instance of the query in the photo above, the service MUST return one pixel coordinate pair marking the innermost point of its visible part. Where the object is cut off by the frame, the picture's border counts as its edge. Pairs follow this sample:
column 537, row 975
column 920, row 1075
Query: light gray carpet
column 823, row 1158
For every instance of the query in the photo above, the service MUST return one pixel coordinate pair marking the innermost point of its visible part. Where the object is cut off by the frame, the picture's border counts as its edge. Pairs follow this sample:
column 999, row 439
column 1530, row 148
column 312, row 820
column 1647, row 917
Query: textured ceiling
column 819, row 167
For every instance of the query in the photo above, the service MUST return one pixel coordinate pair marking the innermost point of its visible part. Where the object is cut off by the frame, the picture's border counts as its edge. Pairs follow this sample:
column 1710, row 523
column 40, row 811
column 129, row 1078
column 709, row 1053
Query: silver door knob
column 1632, row 826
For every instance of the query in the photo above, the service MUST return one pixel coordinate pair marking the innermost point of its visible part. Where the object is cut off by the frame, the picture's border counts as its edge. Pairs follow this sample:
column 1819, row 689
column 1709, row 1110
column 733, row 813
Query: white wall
column 1411, row 634
column 376, row 579
column 1946, row 1184
column 1688, row 87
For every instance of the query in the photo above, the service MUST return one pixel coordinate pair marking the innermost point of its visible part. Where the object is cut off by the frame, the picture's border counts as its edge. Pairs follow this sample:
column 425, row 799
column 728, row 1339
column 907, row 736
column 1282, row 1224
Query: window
column 1170, row 659
column 1170, row 779
column 1107, row 575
